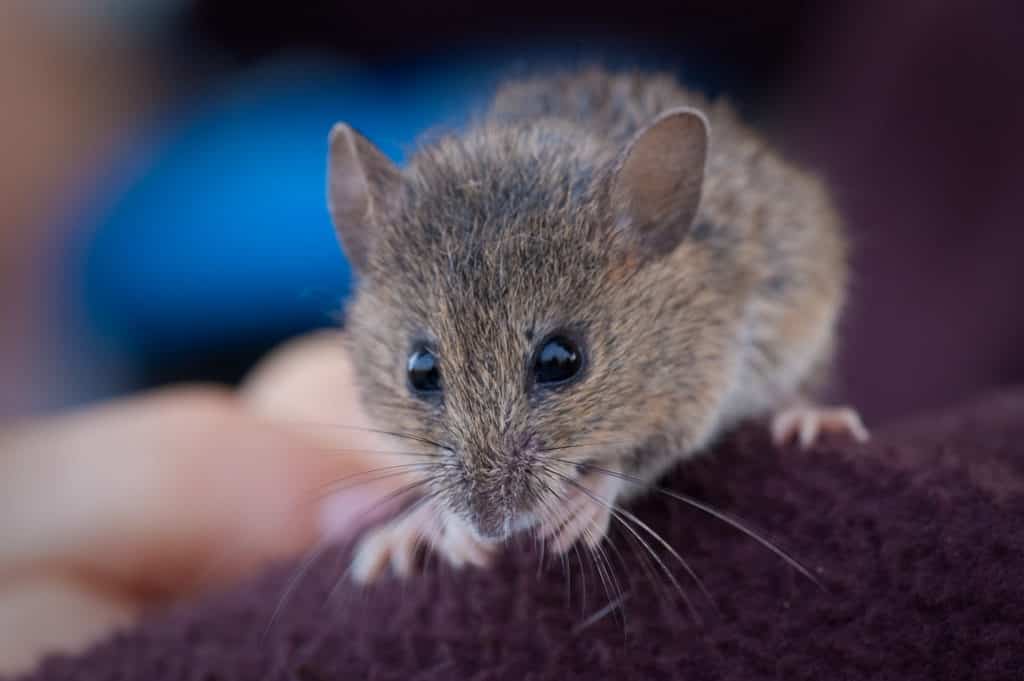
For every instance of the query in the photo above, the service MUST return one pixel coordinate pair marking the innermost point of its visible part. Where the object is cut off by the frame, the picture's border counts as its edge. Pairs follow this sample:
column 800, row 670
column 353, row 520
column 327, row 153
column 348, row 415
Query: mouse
column 592, row 281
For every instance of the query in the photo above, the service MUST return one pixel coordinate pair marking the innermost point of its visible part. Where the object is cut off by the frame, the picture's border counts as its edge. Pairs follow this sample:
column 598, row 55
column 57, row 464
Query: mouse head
column 511, row 317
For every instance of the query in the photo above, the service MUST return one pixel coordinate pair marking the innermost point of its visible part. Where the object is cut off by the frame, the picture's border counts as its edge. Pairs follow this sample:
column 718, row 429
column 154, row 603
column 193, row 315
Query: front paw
column 584, row 513
column 400, row 543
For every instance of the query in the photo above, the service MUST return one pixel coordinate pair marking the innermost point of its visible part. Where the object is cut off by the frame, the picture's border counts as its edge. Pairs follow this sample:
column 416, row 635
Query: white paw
column 458, row 545
column 584, row 513
column 398, row 544
column 395, row 543
column 807, row 423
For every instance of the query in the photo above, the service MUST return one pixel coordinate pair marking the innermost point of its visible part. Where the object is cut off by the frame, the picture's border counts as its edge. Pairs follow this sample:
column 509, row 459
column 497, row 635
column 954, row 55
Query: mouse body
column 593, row 281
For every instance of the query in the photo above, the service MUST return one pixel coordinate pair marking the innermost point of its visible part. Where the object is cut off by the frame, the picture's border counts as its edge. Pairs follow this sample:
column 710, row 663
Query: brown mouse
column 592, row 282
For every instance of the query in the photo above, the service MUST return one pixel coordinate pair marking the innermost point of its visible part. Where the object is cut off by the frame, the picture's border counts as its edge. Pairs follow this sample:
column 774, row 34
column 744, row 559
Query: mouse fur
column 539, row 218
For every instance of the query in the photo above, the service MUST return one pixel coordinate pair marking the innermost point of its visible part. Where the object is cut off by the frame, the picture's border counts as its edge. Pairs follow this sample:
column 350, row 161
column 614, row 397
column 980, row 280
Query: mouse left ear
column 656, row 189
column 360, row 179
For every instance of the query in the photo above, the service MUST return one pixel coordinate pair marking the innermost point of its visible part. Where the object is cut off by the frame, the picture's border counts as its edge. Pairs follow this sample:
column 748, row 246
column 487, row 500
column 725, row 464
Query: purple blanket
column 916, row 540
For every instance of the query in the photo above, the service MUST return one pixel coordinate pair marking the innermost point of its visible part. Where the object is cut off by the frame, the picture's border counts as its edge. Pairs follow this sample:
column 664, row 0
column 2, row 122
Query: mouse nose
column 490, row 523
column 496, row 500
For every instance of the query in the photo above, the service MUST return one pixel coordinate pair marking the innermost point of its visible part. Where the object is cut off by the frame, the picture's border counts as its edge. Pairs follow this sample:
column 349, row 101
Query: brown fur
column 505, row 233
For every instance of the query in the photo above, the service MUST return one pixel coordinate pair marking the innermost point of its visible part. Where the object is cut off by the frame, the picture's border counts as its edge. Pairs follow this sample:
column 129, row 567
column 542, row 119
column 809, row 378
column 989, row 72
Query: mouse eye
column 558, row 361
column 424, row 374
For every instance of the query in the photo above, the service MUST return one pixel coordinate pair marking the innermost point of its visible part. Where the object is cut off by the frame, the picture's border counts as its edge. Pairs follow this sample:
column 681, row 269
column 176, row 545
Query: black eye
column 558, row 360
column 424, row 374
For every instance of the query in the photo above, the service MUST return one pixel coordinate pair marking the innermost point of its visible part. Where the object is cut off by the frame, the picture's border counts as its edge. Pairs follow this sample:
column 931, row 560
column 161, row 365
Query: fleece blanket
column 913, row 546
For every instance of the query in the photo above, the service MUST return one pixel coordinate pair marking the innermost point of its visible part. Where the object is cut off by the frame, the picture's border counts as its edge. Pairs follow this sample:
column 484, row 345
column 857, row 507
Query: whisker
column 583, row 575
column 711, row 511
column 385, row 452
column 396, row 494
column 545, row 514
column 405, row 436
column 622, row 519
column 685, row 565
column 603, row 562
column 657, row 537
column 216, row 562
column 610, row 543
column 552, row 518
column 292, row 585
column 372, row 475
column 604, row 569
column 546, row 450
column 412, row 508
column 615, row 605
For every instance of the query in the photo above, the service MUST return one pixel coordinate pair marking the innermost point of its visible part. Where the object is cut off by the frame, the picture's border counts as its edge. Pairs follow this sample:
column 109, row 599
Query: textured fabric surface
column 917, row 540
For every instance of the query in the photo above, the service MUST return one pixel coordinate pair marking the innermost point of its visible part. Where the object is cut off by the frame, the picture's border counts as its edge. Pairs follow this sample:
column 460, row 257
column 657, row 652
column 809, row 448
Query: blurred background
column 162, row 215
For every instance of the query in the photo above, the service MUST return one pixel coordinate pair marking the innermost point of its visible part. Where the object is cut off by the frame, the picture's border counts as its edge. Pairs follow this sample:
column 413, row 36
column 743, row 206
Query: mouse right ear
column 657, row 186
column 359, row 180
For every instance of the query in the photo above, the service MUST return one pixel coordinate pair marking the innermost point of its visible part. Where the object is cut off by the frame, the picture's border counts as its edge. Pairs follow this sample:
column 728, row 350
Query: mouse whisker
column 371, row 476
column 405, row 436
column 394, row 496
column 616, row 605
column 597, row 548
column 546, row 450
column 343, row 580
column 422, row 542
column 582, row 574
column 609, row 542
column 711, row 511
column 292, row 584
column 547, row 517
column 217, row 561
column 675, row 554
column 394, row 404
column 605, row 570
column 356, row 451
column 627, row 522
column 555, row 519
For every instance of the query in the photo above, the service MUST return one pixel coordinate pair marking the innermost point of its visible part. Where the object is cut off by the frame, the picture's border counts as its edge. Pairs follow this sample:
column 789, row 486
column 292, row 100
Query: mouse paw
column 806, row 423
column 399, row 544
column 458, row 545
column 396, row 543
column 586, row 513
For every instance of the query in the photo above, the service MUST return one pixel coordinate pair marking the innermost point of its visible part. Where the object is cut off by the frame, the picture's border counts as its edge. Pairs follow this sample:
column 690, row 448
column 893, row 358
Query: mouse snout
column 498, row 495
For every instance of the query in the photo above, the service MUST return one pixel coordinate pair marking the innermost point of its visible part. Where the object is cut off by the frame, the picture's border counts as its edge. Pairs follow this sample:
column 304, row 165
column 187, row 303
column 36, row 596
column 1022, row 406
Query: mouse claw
column 396, row 544
column 460, row 546
column 806, row 423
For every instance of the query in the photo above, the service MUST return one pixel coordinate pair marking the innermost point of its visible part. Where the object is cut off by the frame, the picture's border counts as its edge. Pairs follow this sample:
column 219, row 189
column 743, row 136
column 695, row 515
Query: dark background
column 913, row 110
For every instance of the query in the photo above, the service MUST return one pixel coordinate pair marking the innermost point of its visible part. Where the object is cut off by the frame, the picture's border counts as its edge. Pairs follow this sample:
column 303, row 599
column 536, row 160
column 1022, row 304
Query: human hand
column 119, row 507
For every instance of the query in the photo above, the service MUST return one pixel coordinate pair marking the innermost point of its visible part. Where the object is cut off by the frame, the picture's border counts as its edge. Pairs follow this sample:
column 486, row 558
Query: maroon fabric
column 917, row 541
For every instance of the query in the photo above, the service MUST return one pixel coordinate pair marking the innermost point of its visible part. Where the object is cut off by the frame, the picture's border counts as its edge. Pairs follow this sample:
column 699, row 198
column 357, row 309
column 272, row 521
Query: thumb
column 162, row 494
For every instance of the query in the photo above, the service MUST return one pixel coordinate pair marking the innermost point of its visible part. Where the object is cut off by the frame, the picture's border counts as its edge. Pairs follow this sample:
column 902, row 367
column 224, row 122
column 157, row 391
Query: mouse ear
column 656, row 189
column 359, row 180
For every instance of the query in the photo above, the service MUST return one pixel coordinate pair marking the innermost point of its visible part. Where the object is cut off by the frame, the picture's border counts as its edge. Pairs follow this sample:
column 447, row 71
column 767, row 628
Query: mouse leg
column 806, row 422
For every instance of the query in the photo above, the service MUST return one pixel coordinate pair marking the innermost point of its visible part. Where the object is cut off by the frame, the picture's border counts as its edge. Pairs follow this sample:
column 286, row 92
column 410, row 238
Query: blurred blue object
column 225, row 232
column 220, row 235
